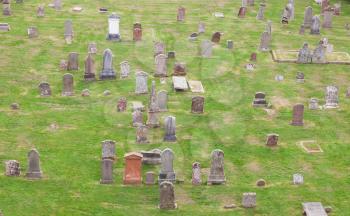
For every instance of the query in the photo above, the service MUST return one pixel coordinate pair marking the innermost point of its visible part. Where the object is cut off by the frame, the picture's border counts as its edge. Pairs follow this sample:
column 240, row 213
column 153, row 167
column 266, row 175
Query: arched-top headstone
column 68, row 85
column 217, row 175
column 161, row 65
column 34, row 170
column 44, row 89
column 141, row 82
column 167, row 196
column 107, row 67
column 167, row 171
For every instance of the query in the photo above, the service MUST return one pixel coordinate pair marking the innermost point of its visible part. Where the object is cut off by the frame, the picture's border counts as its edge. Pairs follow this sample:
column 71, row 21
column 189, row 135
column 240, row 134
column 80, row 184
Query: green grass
column 70, row 156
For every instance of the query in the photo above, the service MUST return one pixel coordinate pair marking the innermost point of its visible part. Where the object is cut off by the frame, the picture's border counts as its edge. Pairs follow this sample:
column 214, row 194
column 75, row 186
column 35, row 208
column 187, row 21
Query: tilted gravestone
column 217, row 174
column 34, row 170
column 167, row 196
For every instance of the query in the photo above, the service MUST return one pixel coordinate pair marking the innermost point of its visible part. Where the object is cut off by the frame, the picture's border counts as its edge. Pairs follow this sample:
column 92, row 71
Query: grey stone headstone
column 141, row 82
column 217, row 174
column 249, row 200
column 269, row 27
column 151, row 157
column 206, row 49
column 153, row 119
column 170, row 129
column 298, row 115
column 159, row 48
column 113, row 27
column 161, row 65
column 167, row 196
column 73, row 61
column 107, row 66
column 68, row 31
column 313, row 104
column 92, row 48
column 319, row 54
column 6, row 10
column 108, row 149
column 57, row 4
column 304, row 55
column 327, row 19
column 265, row 41
column 229, row 44
column 332, row 98
column 141, row 134
column 34, row 170
column 44, row 89
column 298, row 179
column 153, row 103
column 308, row 17
column 162, row 99
column 124, row 69
column 167, row 171
column 137, row 119
column 315, row 25
column 201, row 28
column 260, row 15
column 181, row 14
column 68, row 85
column 150, row 178
column 12, row 168
column 33, row 32
column 314, row 209
column 90, row 71
column 259, row 100
column 106, row 171
column 196, row 173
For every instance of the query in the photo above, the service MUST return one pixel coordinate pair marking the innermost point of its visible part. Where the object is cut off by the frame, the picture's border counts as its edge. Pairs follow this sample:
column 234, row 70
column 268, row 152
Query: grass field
column 70, row 155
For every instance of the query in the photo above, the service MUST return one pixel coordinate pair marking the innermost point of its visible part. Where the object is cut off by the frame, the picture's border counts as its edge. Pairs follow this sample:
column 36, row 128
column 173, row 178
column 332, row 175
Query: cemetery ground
column 67, row 131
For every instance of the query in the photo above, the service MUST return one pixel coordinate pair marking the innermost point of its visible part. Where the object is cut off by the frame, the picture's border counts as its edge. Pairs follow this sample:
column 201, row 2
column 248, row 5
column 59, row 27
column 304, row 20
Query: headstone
column 161, row 65
column 57, row 4
column 260, row 183
column 153, row 104
column 253, row 57
column 106, row 92
column 6, row 10
column 216, row 37
column 314, row 209
column 250, row 67
column 34, row 171
column 201, row 28
column 229, row 44
column 249, row 200
column 150, row 178
column 269, row 27
column 327, row 19
column 332, row 98
column 272, row 140
column 259, row 100
column 279, row 77
column 142, row 134
column 159, row 48
column 68, row 85
column 4, row 27
column 63, row 65
column 12, row 168
column 290, row 8
column 167, row 171
column 132, row 170
column 206, row 48
column 151, row 157
column 113, row 27
column 137, row 119
column 304, row 55
column 153, row 120
column 242, row 11
column 106, row 171
column 298, row 115
column 32, row 32
column 68, row 31
column 124, row 69
column 315, row 25
column 313, row 104
column 167, row 196
column 196, row 86
column 122, row 104
column 44, row 89
column 196, row 174
column 302, row 30
column 298, row 179
column 89, row 73
column 137, row 32
column 103, row 10
column 300, row 78
column 171, row 54
column 137, row 105
column 141, row 82
column 85, row 92
column 217, row 175
column 329, row 48
column 324, row 5
column 244, row 3
column 107, row 67
column 285, row 16
column 319, row 55
column 179, row 69
column 197, row 105
column 162, row 100
column 73, row 61
column 92, row 48
column 308, row 17
column 260, row 15
column 181, row 11
column 265, row 41
column 170, row 129
column 180, row 83
column 14, row 106
column 108, row 149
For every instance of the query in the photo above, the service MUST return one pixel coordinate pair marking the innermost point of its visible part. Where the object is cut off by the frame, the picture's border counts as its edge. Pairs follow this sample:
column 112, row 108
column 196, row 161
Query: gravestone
column 6, row 10
column 179, row 69
column 137, row 32
column 171, row 54
column 44, row 89
column 304, row 55
column 259, row 100
column 170, row 129
column 68, row 85
column 181, row 11
column 337, row 8
column 34, row 171
column 150, row 178
column 216, row 37
column 265, row 41
column 142, row 134
column 290, row 8
column 196, row 174
column 327, row 19
column 196, row 86
column 269, row 27
column 242, row 11
column 298, row 115
column 285, row 16
column 153, row 120
column 12, row 168
column 108, row 149
column 63, row 65
column 193, row 36
column 260, row 15
column 137, row 105
column 14, row 106
column 162, row 100
column 85, row 92
column 167, row 196
column 89, row 74
column 113, row 27
column 92, row 48
column 315, row 25
column 57, row 4
column 132, row 170
column 298, row 179
column 197, row 106
column 313, row 104
column 122, row 104
column 106, row 171
column 253, row 57
column 302, row 30
column 153, row 104
column 206, row 48
column 348, row 92
column 141, row 82
column 314, row 209
column 260, row 183
column 137, row 119
column 73, row 61
column 229, row 44
column 217, row 175
column 68, row 31
column 201, row 28
column 161, row 65
column 167, row 171
column 308, row 17
column 180, row 83
column 331, row 98
column 107, row 67
column 124, row 69
column 319, row 55
column 33, row 32
column 272, row 140
column 159, row 48
column 4, row 27
column 151, row 157
column 300, row 77
column 249, row 200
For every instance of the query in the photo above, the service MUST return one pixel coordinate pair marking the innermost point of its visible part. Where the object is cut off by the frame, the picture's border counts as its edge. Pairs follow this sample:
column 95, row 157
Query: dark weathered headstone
column 73, row 61
column 122, row 104
column 217, row 175
column 253, row 57
column 216, row 37
column 298, row 115
column 179, row 69
column 300, row 77
column 167, row 196
column 302, row 30
column 89, row 73
column 259, row 100
column 137, row 32
column 151, row 157
column 249, row 200
column 260, row 183
column 229, row 44
column 170, row 129
column 197, row 105
column 242, row 11
column 171, row 54
column 106, row 171
column 308, row 17
column 68, row 85
column 304, row 55
column 44, row 89
column 34, row 171
column 272, row 140
column 181, row 11
column 107, row 67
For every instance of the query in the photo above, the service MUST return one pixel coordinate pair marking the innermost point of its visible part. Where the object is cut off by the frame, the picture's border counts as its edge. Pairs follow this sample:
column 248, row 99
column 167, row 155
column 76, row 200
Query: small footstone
column 14, row 106
column 85, row 93
column 230, row 206
column 106, row 93
column 261, row 183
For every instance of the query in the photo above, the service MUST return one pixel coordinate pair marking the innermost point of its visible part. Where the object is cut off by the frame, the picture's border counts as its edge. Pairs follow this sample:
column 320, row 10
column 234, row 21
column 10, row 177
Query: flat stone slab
column 180, row 83
column 291, row 56
column 314, row 209
column 137, row 105
column 196, row 86
column 4, row 27
column 219, row 15
column 310, row 146
column 77, row 9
